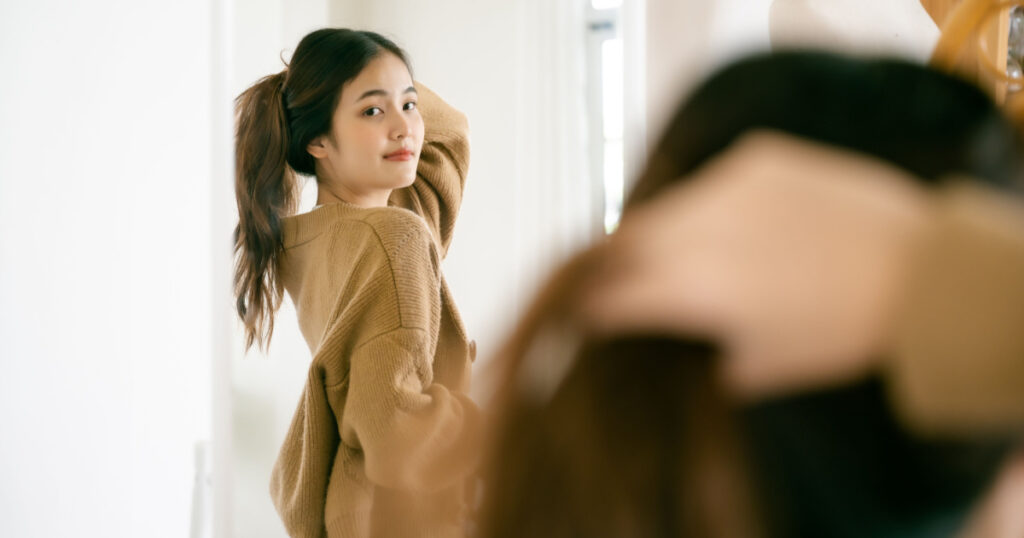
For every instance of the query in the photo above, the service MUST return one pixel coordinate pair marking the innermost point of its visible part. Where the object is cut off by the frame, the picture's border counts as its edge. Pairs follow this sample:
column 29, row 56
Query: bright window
column 605, row 4
column 605, row 95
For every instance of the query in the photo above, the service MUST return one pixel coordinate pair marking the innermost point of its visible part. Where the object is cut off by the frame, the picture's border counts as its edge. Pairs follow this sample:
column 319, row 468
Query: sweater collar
column 298, row 229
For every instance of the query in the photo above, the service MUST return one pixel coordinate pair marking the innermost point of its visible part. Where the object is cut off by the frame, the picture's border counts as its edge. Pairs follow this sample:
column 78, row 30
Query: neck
column 332, row 194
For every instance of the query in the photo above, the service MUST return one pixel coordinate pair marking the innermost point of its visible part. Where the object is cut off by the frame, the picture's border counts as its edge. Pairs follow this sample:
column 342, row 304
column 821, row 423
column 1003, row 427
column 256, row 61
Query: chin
column 406, row 181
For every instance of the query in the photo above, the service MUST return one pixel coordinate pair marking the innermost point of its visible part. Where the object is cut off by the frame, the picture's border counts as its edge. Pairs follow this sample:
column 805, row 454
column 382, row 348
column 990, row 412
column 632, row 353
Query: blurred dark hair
column 609, row 437
column 276, row 119
column 929, row 123
column 633, row 436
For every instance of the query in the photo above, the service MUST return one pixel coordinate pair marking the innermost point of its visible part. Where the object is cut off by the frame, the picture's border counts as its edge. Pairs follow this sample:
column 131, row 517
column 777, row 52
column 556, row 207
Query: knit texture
column 384, row 438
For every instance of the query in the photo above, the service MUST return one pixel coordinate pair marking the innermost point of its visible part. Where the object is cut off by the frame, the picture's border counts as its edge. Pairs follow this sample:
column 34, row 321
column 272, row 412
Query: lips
column 400, row 155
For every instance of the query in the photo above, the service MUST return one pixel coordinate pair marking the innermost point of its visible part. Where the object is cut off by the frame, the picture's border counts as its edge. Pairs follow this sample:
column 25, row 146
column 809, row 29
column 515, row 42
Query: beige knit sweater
column 384, row 438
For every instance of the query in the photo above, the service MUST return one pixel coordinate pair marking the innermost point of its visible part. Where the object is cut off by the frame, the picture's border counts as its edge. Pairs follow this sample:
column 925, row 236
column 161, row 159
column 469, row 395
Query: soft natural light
column 611, row 110
column 612, row 184
column 611, row 87
column 605, row 4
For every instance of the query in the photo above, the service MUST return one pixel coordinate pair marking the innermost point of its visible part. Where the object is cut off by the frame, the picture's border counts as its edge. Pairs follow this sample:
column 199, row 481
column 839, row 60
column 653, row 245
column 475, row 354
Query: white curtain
column 560, row 206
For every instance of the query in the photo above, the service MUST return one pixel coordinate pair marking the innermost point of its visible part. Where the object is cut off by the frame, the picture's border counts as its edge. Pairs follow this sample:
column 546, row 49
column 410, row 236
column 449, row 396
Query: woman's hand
column 789, row 254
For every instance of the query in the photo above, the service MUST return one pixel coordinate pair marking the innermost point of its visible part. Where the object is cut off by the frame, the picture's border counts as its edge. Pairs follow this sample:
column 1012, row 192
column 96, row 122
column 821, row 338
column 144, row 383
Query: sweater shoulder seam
column 389, row 260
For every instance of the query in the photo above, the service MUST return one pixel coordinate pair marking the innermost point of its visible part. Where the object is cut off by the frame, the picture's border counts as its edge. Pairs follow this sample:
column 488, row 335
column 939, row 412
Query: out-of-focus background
column 127, row 406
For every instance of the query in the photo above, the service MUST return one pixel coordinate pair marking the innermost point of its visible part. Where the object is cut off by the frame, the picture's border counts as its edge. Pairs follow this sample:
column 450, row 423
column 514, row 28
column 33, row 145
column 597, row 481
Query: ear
column 317, row 148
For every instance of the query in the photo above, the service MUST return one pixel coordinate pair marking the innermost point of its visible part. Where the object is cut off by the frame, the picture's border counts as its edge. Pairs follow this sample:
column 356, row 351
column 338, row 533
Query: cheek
column 418, row 131
column 359, row 144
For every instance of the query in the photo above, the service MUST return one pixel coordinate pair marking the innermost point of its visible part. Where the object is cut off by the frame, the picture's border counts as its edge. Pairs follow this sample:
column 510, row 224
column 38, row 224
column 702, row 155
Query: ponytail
column 265, row 189
column 275, row 121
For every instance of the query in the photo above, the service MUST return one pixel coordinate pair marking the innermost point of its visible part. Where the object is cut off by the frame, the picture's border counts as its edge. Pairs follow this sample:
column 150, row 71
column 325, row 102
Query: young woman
column 384, row 437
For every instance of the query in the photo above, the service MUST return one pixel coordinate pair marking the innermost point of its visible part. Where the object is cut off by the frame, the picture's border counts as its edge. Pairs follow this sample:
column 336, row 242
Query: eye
column 411, row 105
column 372, row 111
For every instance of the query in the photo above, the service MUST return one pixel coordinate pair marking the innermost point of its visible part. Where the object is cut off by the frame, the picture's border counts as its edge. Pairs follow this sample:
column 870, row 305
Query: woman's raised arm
column 444, row 162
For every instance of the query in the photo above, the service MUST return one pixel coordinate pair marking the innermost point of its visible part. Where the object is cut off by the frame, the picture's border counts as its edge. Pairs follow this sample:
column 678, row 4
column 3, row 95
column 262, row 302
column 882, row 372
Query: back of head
column 926, row 122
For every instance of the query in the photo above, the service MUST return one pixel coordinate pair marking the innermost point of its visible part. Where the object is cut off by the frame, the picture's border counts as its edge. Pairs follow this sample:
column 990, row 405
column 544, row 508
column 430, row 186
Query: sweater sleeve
column 298, row 482
column 436, row 195
column 415, row 435
column 958, row 362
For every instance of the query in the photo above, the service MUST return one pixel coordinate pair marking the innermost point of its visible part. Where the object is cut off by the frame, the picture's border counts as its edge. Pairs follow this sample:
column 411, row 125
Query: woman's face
column 376, row 135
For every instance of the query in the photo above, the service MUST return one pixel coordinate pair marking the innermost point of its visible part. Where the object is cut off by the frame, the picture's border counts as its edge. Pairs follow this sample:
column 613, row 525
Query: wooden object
column 939, row 9
column 971, row 28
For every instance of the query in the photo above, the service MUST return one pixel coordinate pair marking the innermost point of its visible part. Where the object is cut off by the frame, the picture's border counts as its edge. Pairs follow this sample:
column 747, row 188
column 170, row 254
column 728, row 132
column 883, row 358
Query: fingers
column 642, row 284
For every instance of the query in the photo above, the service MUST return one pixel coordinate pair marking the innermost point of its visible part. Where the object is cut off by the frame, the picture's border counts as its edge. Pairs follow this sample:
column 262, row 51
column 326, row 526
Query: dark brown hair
column 276, row 119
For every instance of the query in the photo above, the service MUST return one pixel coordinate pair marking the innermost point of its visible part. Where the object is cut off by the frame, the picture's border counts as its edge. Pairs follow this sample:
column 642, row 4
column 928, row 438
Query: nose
column 401, row 127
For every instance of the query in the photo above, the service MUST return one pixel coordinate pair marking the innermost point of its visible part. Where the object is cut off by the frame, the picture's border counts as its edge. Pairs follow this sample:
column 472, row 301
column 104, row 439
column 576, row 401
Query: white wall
column 687, row 41
column 105, row 275
column 870, row 27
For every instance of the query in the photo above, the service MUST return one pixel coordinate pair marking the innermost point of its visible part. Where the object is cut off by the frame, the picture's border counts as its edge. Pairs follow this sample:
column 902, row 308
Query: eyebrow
column 382, row 93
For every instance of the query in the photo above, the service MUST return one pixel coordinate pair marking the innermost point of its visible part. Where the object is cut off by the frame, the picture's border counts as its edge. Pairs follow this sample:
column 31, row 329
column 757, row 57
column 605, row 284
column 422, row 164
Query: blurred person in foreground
column 805, row 326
